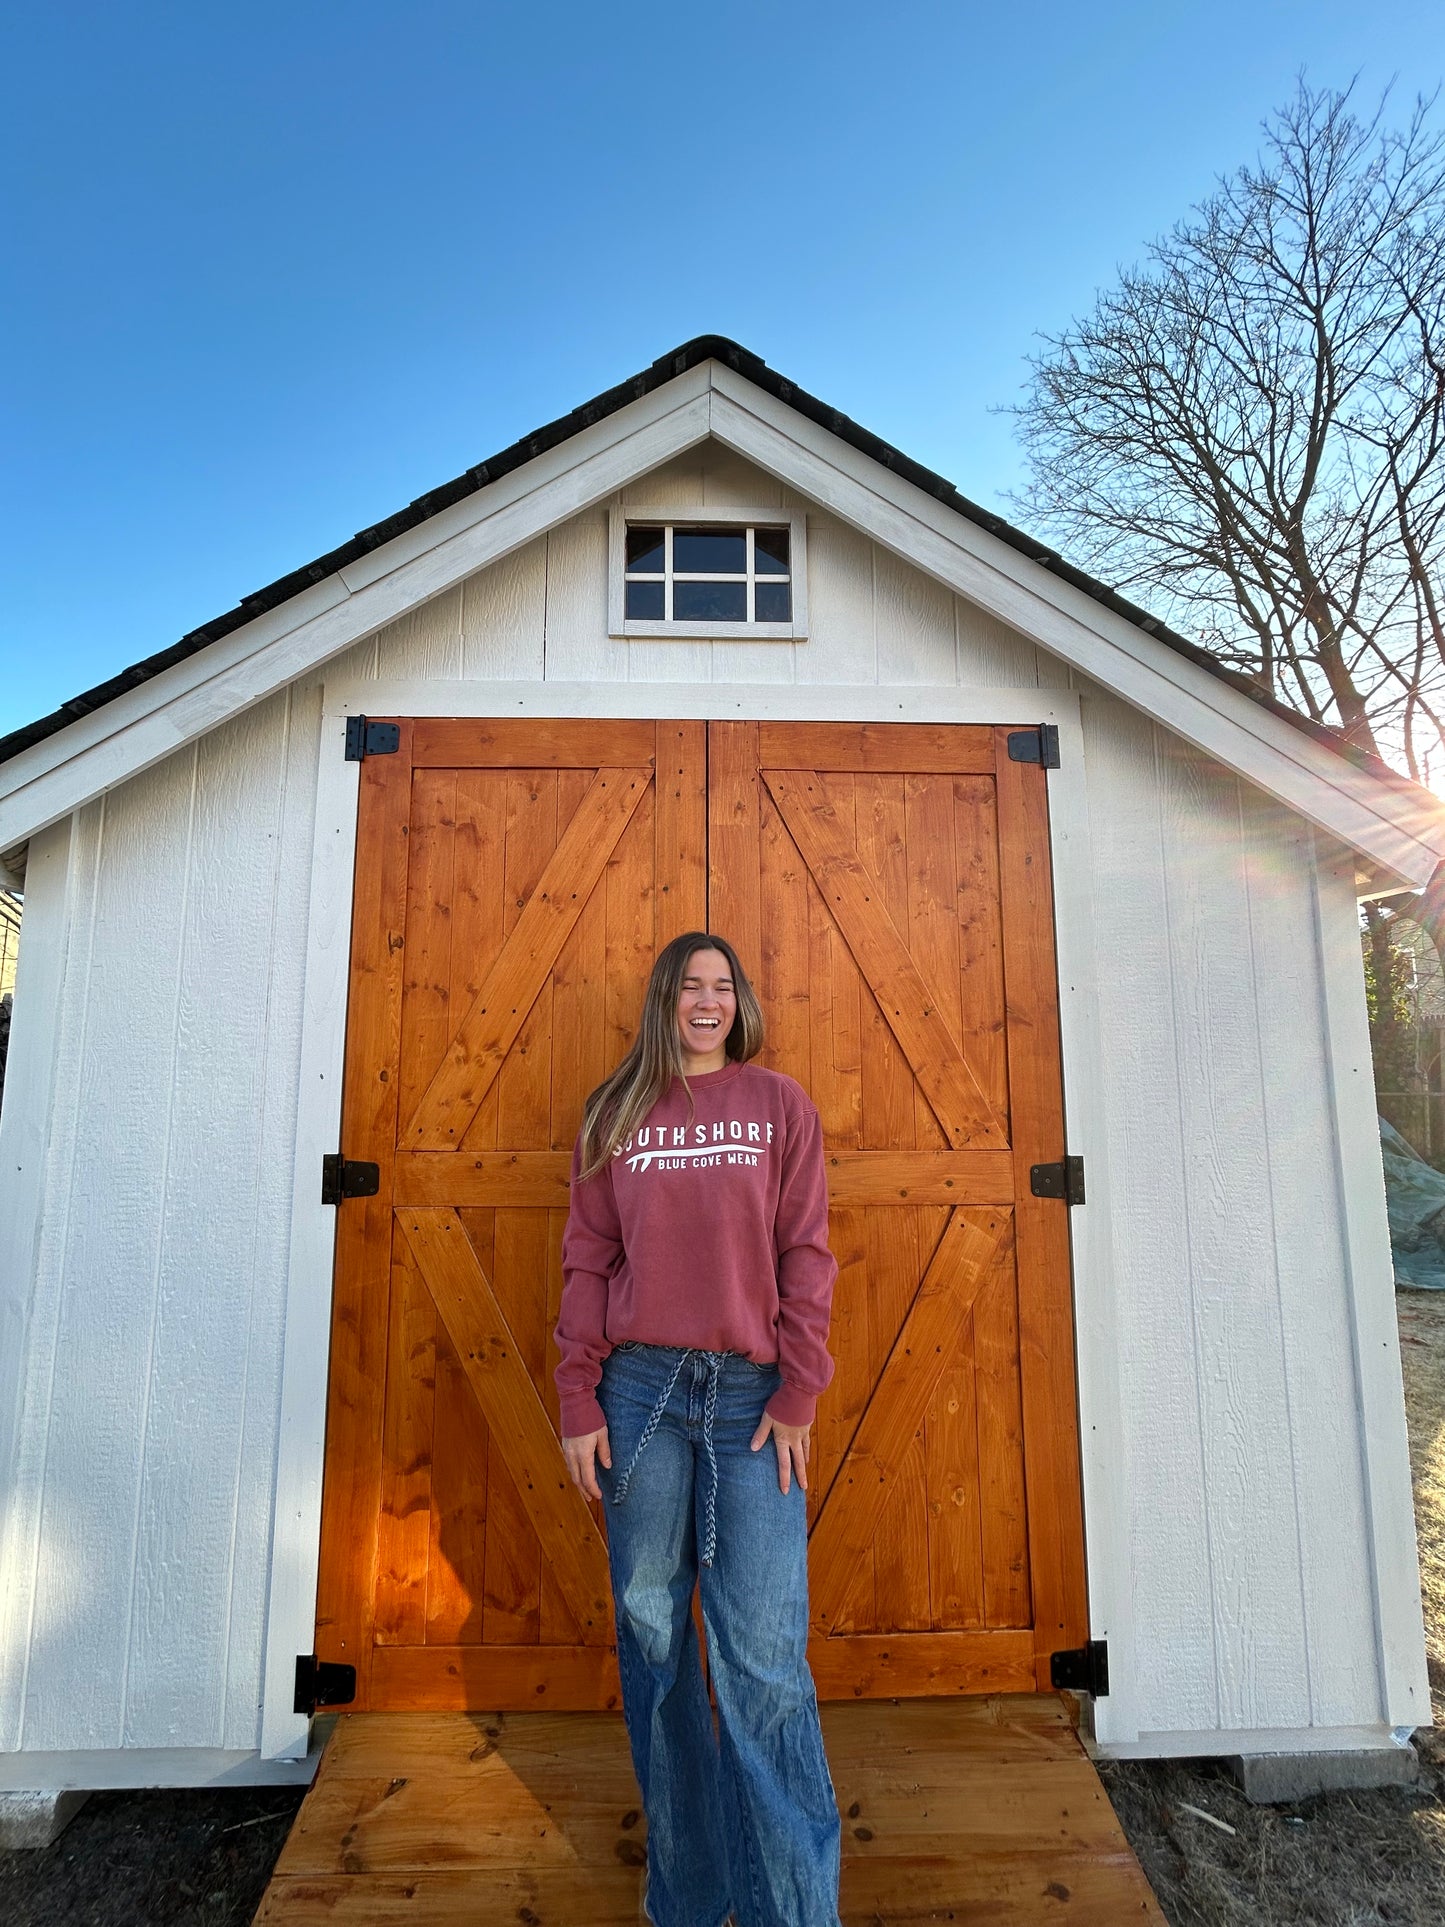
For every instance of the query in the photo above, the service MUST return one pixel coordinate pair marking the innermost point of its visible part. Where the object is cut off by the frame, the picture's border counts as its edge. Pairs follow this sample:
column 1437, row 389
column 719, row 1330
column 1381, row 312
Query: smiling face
column 706, row 1009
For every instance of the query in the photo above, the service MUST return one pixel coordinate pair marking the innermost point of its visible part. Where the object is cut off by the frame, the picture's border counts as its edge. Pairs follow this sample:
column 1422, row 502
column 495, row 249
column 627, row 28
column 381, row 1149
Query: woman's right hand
column 580, row 1463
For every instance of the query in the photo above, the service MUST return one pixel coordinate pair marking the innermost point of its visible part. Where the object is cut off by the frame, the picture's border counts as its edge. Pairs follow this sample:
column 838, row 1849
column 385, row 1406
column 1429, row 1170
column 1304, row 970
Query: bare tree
column 1247, row 430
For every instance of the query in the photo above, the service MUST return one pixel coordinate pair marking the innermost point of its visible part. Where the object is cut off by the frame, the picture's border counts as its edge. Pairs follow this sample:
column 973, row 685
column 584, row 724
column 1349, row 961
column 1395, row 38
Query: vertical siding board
column 426, row 641
column 578, row 647
column 1393, row 1572
column 842, row 647
column 913, row 618
column 1309, row 1254
column 504, row 616
column 176, row 1661
column 731, row 482
column 989, row 654
column 1254, row 1540
column 269, row 1241
column 24, row 1513
column 1164, row 1475
column 97, row 1414
column 677, row 485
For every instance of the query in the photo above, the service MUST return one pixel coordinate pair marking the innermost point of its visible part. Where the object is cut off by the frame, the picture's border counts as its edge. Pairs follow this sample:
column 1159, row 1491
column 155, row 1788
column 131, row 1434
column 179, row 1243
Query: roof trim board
column 1396, row 824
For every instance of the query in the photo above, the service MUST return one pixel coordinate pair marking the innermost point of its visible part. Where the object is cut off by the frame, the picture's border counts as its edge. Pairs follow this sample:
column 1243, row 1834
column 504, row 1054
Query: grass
column 1342, row 1859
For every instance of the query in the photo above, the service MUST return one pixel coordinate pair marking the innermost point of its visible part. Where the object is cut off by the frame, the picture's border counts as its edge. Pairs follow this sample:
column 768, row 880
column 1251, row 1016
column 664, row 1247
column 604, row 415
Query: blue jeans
column 745, row 1819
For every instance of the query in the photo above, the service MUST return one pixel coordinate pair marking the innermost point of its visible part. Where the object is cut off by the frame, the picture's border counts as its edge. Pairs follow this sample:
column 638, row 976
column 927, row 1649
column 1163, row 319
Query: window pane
column 770, row 551
column 645, row 551
column 774, row 601
column 709, row 601
column 644, row 601
column 709, row 552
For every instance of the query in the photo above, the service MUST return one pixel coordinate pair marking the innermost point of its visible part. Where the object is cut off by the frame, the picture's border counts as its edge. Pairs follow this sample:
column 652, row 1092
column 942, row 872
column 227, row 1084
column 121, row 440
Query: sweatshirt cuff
column 581, row 1414
column 791, row 1406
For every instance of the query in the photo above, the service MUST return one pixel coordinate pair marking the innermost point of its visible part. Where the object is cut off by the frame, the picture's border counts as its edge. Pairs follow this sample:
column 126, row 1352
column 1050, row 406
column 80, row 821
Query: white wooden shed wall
column 1236, row 1439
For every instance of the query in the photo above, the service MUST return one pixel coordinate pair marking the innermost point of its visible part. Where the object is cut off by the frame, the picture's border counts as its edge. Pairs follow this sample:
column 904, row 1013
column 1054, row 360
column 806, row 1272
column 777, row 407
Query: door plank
column 404, row 1529
column 980, row 938
column 735, row 908
column 783, row 975
column 533, row 742
column 457, row 1568
column 483, row 916
column 521, row 1434
column 1045, row 1299
column 680, row 808
column 900, row 748
column 579, row 1050
column 488, row 1030
column 855, row 1178
column 514, row 1679
column 517, row 1576
column 351, row 1496
column 968, row 1249
column 910, row 1009
column 896, row 1262
column 1007, row 1593
column 512, row 1610
column 426, row 1012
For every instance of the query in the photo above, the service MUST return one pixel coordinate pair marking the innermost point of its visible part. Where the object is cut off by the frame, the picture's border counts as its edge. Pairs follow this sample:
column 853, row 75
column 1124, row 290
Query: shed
column 336, row 909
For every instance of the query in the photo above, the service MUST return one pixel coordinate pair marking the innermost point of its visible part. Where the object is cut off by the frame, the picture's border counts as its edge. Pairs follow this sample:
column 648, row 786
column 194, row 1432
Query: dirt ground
column 177, row 1858
column 202, row 1859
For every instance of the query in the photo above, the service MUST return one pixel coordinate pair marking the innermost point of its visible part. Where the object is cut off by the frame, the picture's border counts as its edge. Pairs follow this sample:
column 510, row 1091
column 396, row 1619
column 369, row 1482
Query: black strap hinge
column 1062, row 1180
column 365, row 739
column 323, row 1682
column 348, row 1178
column 1082, row 1669
column 1039, row 745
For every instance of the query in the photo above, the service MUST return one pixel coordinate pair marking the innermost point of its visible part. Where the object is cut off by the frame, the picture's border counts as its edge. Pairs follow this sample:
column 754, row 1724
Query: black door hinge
column 323, row 1682
column 1039, row 745
column 1062, row 1180
column 365, row 739
column 348, row 1178
column 1082, row 1669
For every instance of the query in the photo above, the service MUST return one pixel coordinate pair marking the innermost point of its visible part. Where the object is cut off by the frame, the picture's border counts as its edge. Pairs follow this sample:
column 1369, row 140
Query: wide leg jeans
column 745, row 1819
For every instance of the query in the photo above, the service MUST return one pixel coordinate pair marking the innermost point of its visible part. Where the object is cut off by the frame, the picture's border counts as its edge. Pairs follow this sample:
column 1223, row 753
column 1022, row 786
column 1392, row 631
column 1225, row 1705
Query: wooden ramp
column 963, row 1810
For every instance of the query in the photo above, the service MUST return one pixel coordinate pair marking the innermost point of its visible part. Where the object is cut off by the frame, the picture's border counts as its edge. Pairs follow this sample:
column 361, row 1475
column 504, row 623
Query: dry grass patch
column 1422, row 1354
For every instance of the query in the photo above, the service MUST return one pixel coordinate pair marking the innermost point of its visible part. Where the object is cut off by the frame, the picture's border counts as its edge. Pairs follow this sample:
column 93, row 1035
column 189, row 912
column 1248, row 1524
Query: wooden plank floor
column 962, row 1810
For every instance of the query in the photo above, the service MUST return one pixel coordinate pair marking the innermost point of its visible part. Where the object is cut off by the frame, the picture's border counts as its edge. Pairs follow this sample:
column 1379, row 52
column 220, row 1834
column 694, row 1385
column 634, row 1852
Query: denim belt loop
column 654, row 1419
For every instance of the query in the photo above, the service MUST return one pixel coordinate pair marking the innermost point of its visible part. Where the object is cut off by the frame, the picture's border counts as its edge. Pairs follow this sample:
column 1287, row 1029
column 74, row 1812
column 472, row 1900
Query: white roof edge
column 1398, row 828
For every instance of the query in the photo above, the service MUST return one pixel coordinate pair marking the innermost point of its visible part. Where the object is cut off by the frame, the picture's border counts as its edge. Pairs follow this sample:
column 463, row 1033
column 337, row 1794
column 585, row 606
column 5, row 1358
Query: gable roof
column 666, row 368
column 297, row 599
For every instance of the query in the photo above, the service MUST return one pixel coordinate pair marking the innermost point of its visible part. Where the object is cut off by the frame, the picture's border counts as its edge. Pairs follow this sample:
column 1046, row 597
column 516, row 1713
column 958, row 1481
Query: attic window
column 708, row 574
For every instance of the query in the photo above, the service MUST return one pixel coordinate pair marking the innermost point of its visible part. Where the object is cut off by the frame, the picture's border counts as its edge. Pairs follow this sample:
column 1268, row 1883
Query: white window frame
column 638, row 628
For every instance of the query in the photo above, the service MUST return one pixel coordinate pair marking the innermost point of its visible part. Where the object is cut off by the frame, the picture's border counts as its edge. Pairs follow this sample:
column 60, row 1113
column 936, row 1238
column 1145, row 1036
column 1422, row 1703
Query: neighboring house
column 376, row 865
column 1410, row 1076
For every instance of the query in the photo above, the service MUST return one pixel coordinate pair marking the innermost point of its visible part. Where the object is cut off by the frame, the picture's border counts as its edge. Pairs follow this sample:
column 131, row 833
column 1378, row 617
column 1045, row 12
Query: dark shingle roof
column 667, row 368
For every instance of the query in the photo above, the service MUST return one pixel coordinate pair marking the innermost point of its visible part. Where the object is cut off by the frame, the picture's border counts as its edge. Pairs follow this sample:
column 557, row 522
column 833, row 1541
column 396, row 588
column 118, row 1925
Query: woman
column 697, row 1291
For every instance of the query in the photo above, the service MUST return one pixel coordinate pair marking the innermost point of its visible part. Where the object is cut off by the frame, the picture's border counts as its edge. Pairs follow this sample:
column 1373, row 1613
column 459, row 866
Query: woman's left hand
column 794, row 1444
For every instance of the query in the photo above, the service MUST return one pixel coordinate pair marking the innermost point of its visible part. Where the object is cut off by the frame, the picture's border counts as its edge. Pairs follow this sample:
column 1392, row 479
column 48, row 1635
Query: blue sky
column 273, row 272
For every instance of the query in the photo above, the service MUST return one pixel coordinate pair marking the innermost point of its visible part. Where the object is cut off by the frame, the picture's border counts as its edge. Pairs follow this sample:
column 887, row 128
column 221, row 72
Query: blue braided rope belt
column 714, row 1364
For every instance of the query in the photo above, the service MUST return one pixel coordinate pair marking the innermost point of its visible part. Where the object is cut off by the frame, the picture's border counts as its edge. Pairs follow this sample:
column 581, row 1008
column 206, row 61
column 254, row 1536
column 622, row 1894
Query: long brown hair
column 620, row 1103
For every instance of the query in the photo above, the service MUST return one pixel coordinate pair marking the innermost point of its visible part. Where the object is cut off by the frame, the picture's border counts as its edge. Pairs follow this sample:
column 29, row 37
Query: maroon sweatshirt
column 708, row 1231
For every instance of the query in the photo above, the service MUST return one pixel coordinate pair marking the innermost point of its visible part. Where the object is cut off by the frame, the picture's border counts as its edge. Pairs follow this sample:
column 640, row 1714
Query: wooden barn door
column 893, row 883
column 514, row 881
column 890, row 886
